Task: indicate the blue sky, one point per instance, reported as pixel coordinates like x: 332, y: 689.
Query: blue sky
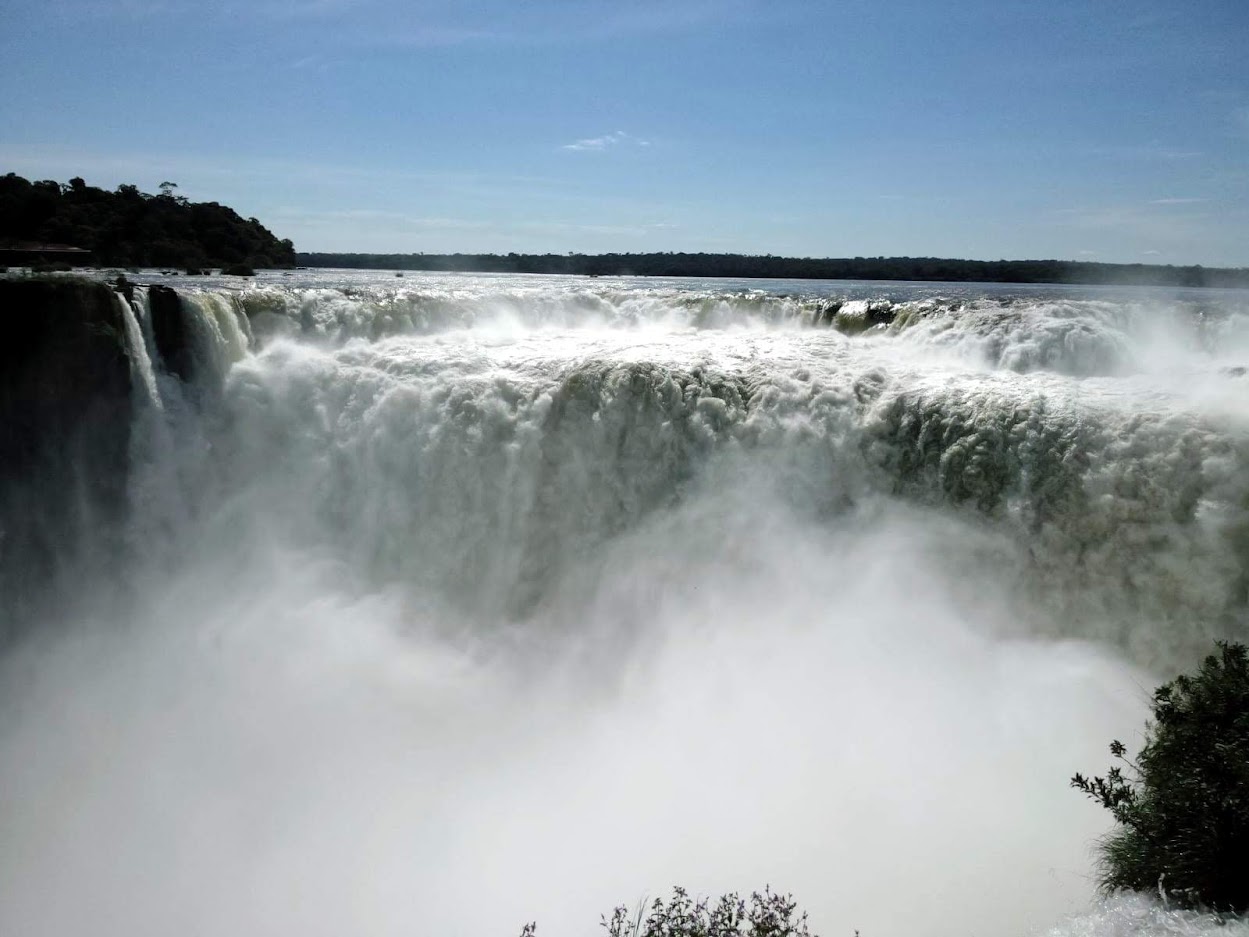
x: 1096, y: 129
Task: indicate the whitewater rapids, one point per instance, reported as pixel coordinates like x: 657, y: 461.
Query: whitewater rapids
x: 454, y: 602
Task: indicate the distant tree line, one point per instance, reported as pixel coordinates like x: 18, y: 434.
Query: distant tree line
x: 797, y: 268
x: 128, y: 228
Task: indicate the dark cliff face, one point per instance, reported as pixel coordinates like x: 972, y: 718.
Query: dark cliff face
x: 65, y: 411
x: 169, y: 328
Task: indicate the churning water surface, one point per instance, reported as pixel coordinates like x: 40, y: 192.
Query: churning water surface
x: 454, y: 602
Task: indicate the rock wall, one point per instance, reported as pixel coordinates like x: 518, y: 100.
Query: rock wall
x: 65, y: 409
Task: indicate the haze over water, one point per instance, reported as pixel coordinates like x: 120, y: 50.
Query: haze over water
x: 454, y: 602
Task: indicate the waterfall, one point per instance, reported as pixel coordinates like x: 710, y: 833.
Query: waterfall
x: 473, y: 600
x: 138, y: 350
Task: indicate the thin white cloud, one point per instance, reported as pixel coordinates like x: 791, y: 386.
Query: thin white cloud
x: 107, y: 168
x: 1240, y: 121
x: 123, y: 9
x: 1151, y: 151
x: 393, y: 220
x: 572, y: 227
x: 1152, y: 224
x: 553, y: 23
x: 467, y: 22
x: 1177, y: 201
x: 432, y: 36
x: 232, y: 10
x: 316, y: 63
x: 1151, y: 253
x: 605, y: 142
x: 284, y: 9
x: 666, y: 15
x: 312, y: 7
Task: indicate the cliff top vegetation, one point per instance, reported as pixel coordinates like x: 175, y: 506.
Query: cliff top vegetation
x: 126, y: 227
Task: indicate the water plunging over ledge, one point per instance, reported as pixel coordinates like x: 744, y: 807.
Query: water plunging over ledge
x: 442, y: 604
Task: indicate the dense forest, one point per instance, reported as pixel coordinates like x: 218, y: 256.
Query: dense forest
x: 131, y: 228
x: 850, y: 268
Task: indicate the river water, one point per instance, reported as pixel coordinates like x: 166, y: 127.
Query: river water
x: 451, y: 602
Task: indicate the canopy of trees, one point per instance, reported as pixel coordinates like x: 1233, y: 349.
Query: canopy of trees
x: 132, y: 228
x: 739, y: 265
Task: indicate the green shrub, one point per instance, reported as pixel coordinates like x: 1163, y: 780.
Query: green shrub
x: 1183, y: 806
x: 766, y: 915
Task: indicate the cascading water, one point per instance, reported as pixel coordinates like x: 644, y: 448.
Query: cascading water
x: 143, y: 375
x: 487, y: 599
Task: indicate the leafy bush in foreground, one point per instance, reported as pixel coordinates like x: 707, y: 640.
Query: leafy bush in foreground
x: 766, y: 915
x: 1183, y: 808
